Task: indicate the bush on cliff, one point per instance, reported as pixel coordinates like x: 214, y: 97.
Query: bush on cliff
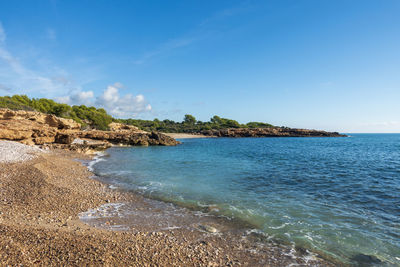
x: 87, y: 116
x: 99, y: 119
x: 15, y: 102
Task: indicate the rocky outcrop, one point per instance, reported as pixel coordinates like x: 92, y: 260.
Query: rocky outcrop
x: 35, y: 128
x: 115, y: 126
x: 269, y: 132
x: 41, y: 118
x: 124, y: 137
x: 83, y: 146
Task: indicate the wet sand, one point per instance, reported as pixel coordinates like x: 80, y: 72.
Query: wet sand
x: 41, y: 201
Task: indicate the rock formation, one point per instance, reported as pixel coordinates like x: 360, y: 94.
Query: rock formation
x: 35, y: 128
x: 269, y: 132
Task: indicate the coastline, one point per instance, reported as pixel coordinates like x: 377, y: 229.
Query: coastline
x: 42, y: 198
x: 186, y: 135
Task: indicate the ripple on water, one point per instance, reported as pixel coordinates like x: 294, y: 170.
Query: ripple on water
x: 337, y: 196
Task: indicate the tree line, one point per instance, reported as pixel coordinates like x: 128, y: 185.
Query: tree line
x: 191, y: 125
x: 98, y: 118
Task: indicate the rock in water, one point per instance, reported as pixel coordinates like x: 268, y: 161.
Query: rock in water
x: 208, y: 228
x: 366, y: 260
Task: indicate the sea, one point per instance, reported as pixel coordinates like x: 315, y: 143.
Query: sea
x: 337, y: 197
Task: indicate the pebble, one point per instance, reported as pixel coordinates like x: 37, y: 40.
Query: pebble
x: 208, y: 228
x: 11, y: 152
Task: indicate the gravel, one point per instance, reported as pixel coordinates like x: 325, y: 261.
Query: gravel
x: 40, y: 203
x: 16, y: 152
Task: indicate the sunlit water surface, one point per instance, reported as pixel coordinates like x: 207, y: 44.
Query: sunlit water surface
x: 336, y: 196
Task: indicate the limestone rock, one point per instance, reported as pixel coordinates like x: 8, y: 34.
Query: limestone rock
x: 48, y: 130
x: 41, y: 118
x: 115, y: 126
x: 43, y: 140
x: 130, y: 138
x: 64, y: 138
x: 13, y: 134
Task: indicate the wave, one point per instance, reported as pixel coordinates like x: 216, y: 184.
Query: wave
x: 96, y: 159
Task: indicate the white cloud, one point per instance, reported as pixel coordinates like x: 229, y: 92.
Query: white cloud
x: 63, y: 99
x: 110, y: 95
x: 77, y: 98
x: 53, y: 82
x: 125, y: 106
x: 83, y: 96
x: 120, y: 106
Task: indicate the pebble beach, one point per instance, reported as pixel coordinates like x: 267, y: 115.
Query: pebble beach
x: 42, y: 195
x: 15, y: 152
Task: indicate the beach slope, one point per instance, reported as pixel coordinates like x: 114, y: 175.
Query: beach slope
x: 40, y: 199
x: 42, y: 194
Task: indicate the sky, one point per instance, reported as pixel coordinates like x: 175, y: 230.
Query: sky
x: 330, y: 65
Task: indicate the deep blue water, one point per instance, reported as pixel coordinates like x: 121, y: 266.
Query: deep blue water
x: 337, y: 196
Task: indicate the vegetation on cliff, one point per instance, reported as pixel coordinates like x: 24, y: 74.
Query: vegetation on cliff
x: 99, y: 119
x: 88, y: 116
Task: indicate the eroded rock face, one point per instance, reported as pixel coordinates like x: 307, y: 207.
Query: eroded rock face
x: 269, y: 132
x: 130, y: 138
x: 35, y: 128
x: 41, y: 118
x: 114, y: 126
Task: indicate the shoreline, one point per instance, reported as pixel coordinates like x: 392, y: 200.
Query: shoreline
x: 186, y: 135
x: 42, y: 199
x: 235, y: 230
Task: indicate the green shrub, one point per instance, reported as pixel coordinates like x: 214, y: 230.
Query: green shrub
x: 91, y: 117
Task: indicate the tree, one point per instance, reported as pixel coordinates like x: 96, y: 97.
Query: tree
x: 254, y: 124
x: 189, y: 119
x: 216, y: 120
x: 230, y: 123
x: 99, y: 119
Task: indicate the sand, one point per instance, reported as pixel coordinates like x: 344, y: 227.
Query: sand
x: 42, y: 196
x: 186, y: 136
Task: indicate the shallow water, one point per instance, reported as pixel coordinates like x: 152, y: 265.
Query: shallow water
x: 339, y: 197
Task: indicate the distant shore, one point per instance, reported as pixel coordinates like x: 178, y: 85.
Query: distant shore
x: 256, y: 132
x: 186, y: 135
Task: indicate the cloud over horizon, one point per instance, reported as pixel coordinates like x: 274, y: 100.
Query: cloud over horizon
x: 125, y: 106
x: 77, y: 98
x: 121, y: 106
x: 17, y: 78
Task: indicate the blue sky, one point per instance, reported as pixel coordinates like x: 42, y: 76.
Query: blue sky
x: 332, y: 65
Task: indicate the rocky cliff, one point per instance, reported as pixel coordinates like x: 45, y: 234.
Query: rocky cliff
x: 269, y: 132
x: 35, y: 128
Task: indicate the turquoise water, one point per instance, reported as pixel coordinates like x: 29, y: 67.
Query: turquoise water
x: 337, y: 196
